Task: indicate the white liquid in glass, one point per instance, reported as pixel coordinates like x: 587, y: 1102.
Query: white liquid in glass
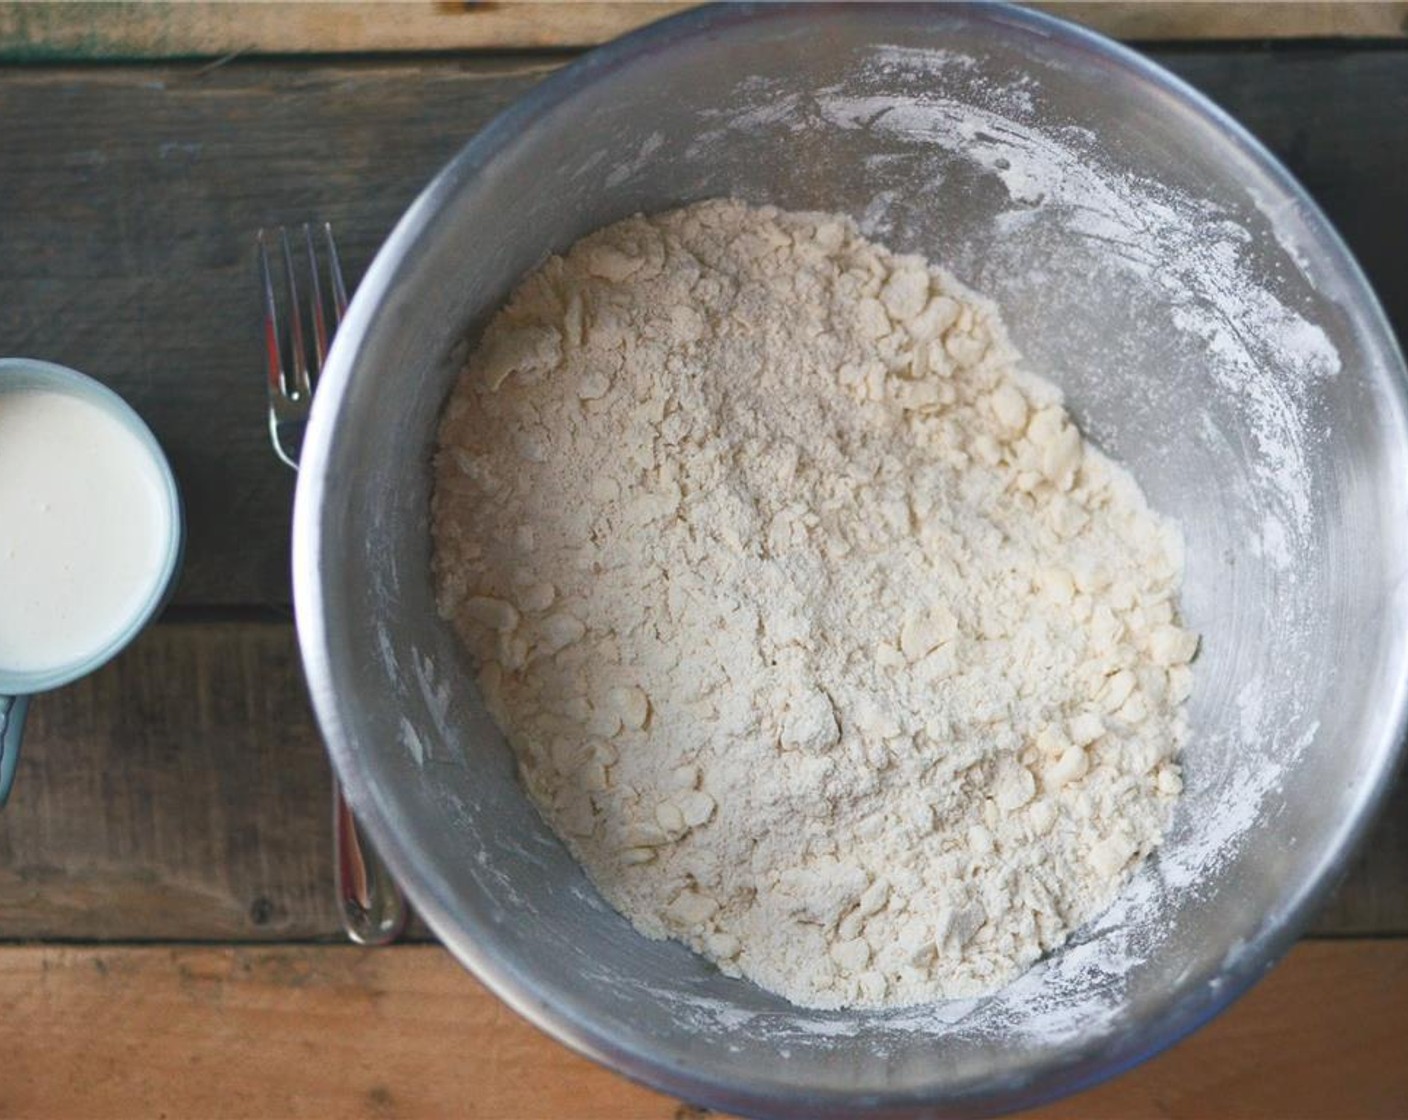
x: 84, y: 529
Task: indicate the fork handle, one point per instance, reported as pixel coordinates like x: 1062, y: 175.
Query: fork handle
x: 371, y: 905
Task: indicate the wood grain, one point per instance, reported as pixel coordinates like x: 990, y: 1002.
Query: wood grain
x: 298, y: 1031
x: 181, y: 794
x: 1201, y: 20
x: 32, y: 32
x: 141, y: 191
x: 163, y: 30
x: 141, y: 188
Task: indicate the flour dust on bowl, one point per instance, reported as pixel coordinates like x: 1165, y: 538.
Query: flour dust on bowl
x: 1208, y: 331
x: 821, y: 637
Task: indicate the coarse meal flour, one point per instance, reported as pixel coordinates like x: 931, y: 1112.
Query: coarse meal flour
x: 821, y: 636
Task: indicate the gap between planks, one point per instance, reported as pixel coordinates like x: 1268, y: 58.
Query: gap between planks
x: 313, y: 1032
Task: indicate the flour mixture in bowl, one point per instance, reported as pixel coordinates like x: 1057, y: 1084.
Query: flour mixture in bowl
x: 821, y: 636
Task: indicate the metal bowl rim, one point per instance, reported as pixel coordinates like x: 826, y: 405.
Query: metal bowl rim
x: 1064, y: 1068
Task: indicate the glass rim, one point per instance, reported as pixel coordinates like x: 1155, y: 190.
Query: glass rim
x: 32, y: 373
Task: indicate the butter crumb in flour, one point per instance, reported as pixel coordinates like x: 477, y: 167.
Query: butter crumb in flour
x: 821, y: 636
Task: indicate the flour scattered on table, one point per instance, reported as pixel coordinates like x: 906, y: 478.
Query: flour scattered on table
x: 822, y: 637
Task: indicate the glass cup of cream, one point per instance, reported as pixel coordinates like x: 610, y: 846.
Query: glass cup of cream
x: 90, y: 534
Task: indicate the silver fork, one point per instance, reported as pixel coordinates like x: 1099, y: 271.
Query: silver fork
x: 371, y: 905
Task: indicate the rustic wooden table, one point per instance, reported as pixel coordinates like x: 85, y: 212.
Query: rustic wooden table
x: 169, y: 939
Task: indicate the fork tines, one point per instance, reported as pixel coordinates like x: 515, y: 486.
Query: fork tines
x: 291, y: 320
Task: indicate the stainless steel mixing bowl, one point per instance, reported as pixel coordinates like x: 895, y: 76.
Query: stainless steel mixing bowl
x: 1209, y: 329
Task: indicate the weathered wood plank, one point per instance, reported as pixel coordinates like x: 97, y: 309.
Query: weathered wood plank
x: 129, y: 197
x: 181, y: 794
x: 286, y: 1032
x: 300, y: 1031
x: 1151, y: 22
x: 49, y: 31
x: 85, y: 30
x: 129, y: 200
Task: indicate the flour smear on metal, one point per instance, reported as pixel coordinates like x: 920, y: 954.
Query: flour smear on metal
x: 822, y: 637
